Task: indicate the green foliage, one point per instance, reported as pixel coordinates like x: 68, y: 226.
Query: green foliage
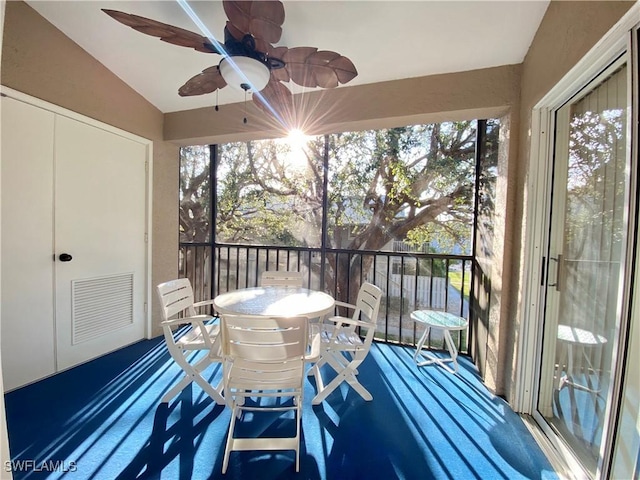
x: 413, y: 182
x: 596, y: 182
x: 195, y: 194
x: 265, y: 194
x: 384, y: 184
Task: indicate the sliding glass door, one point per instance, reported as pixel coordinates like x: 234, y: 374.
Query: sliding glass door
x: 585, y: 262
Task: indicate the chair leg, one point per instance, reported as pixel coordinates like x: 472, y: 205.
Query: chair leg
x: 325, y: 390
x: 214, y: 393
x: 235, y: 413
x: 247, y: 444
x: 177, y: 388
x: 192, y: 373
x: 345, y: 375
x: 336, y: 361
x: 357, y: 386
x: 318, y: 365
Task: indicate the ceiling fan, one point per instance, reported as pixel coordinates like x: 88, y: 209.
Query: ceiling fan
x: 250, y: 60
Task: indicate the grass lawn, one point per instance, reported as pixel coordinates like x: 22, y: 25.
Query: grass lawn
x: 455, y: 280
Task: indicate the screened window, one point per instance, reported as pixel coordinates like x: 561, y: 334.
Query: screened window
x: 401, y: 189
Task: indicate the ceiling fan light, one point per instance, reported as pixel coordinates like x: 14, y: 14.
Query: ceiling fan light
x: 244, y: 73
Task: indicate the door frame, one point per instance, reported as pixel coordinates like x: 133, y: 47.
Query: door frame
x: 538, y: 191
x: 36, y: 102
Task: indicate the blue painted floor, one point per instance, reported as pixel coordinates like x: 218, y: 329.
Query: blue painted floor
x: 103, y: 420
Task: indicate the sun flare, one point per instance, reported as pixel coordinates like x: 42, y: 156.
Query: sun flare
x: 297, y: 140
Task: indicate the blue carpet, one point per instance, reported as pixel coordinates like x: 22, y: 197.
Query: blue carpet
x: 103, y: 420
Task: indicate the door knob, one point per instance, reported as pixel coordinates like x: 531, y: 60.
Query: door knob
x: 65, y: 257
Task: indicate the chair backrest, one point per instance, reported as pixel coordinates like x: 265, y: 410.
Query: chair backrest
x: 281, y: 278
x: 176, y: 296
x: 367, y: 308
x: 368, y: 303
x: 266, y: 353
x: 258, y: 338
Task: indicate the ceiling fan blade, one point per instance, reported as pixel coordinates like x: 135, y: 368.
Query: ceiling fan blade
x: 262, y: 19
x: 208, y: 81
x: 166, y: 33
x: 276, y: 97
x: 281, y: 74
x: 310, y: 67
x: 234, y: 31
x: 344, y: 68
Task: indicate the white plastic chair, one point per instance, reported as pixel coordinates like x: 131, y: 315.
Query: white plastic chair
x: 264, y: 361
x: 281, y: 278
x: 178, y: 308
x: 343, y: 348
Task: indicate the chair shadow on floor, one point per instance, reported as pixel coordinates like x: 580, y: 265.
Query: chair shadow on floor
x: 180, y: 440
x: 424, y: 423
x: 434, y: 425
x: 256, y: 464
x: 358, y: 442
x: 181, y: 437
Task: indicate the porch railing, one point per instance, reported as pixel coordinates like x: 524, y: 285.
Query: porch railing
x: 410, y: 280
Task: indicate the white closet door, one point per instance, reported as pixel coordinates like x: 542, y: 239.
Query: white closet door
x: 100, y: 219
x: 27, y: 243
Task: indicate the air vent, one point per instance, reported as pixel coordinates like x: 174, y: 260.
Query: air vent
x: 101, y: 305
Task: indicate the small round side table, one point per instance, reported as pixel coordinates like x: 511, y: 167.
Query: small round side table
x: 445, y: 322
x: 582, y: 339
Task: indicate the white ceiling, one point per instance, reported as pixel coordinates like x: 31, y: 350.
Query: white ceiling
x: 386, y: 40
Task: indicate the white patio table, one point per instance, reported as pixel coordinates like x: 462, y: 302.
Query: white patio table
x: 276, y: 301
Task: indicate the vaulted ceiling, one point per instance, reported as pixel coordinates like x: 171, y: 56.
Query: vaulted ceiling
x: 385, y: 40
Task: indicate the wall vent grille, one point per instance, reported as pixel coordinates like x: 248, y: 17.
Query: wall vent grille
x: 101, y: 305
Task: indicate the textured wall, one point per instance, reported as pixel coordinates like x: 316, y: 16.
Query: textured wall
x: 474, y: 94
x: 492, y: 255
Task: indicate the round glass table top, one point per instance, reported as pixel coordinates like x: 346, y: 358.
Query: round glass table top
x: 276, y: 301
x: 439, y: 319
